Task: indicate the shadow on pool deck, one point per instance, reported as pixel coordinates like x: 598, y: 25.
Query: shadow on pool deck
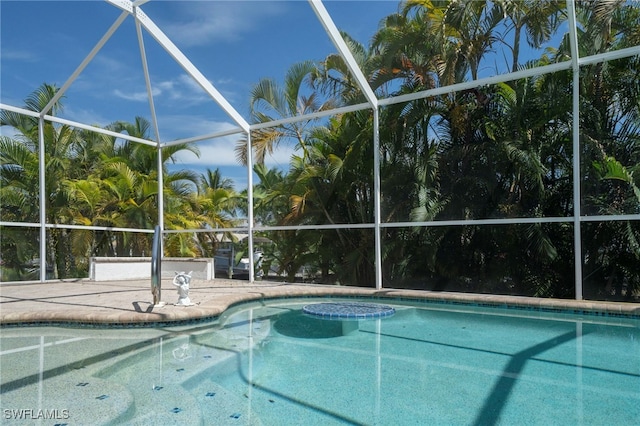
x: 130, y: 302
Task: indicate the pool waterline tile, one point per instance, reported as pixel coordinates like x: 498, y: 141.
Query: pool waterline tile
x: 125, y: 304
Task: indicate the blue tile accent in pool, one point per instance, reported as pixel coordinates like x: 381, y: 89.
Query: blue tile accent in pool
x: 348, y: 310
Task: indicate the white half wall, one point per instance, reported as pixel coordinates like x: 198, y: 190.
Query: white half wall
x: 128, y: 268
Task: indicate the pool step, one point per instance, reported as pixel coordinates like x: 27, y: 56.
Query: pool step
x: 71, y: 399
x: 171, y: 404
x: 163, y: 404
x: 222, y: 407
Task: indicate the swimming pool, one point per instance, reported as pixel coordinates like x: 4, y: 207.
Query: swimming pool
x: 271, y: 364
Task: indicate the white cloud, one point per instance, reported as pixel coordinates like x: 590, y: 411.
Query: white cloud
x: 17, y: 55
x: 204, y: 22
x: 85, y: 116
x: 180, y: 126
x: 109, y: 78
x: 165, y: 85
x: 136, y: 96
x: 185, y: 89
x: 187, y: 81
x: 182, y: 89
x: 221, y: 152
x: 108, y: 65
x: 213, y: 152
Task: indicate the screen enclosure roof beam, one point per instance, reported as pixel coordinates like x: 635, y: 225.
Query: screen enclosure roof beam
x: 181, y: 59
x: 343, y: 49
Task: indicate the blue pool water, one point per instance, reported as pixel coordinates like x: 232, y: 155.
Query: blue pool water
x: 275, y: 365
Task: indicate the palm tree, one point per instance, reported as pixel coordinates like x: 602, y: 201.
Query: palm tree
x: 20, y: 173
x: 270, y: 102
x: 334, y: 79
x: 131, y: 177
x: 538, y: 19
x: 217, y: 204
x: 472, y: 154
x: 609, y: 133
x: 466, y: 31
x: 213, y: 179
x: 271, y: 195
x: 412, y: 49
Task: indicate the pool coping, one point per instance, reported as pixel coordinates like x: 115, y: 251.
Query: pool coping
x: 128, y: 303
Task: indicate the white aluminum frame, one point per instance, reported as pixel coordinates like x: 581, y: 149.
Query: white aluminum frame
x: 133, y: 8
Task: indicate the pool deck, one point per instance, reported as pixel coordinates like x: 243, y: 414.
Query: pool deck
x: 130, y: 302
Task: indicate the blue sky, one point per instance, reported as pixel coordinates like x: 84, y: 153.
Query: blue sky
x: 233, y: 43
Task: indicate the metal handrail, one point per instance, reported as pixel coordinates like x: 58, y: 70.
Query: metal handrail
x: 156, y: 266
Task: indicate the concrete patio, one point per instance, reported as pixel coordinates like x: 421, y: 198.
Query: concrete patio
x: 130, y: 302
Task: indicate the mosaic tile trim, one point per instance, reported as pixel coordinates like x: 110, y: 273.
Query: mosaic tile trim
x: 348, y: 310
x: 489, y: 304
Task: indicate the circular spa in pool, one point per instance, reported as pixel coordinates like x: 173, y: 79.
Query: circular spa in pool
x: 348, y: 310
x: 272, y: 363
